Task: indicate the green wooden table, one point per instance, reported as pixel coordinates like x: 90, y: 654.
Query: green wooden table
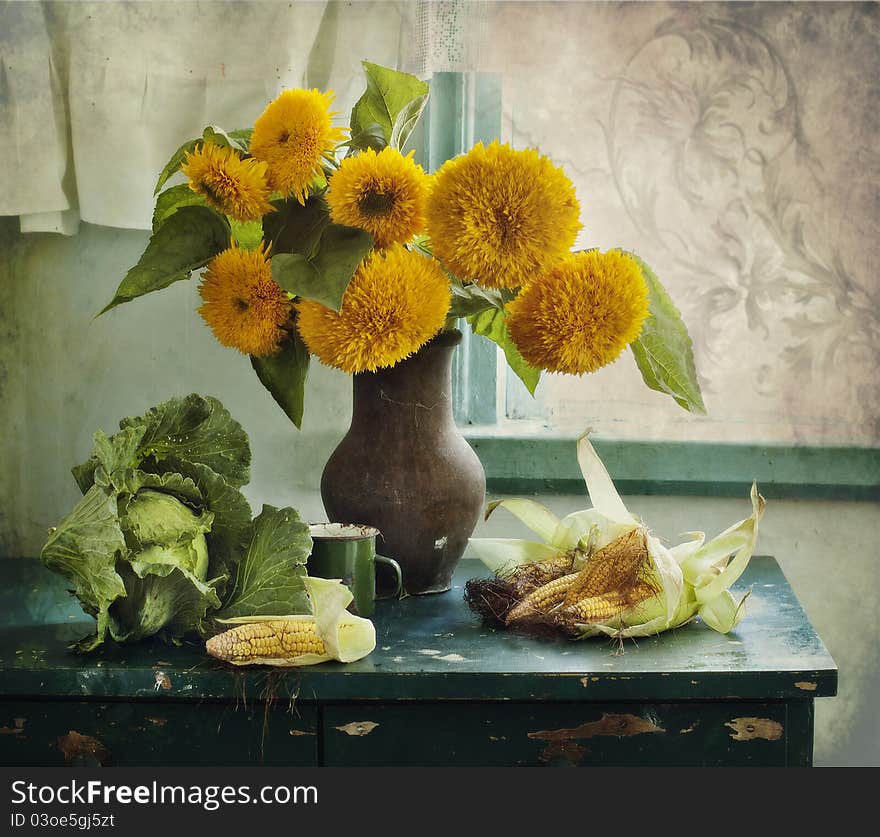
x: 438, y: 689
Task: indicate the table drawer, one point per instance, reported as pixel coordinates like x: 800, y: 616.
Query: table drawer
x: 565, y: 734
x: 169, y: 733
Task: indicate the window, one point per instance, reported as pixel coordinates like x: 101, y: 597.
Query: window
x: 721, y: 149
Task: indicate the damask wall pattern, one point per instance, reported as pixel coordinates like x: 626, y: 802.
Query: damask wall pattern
x: 736, y: 147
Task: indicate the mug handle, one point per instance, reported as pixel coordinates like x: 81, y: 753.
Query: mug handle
x: 390, y: 562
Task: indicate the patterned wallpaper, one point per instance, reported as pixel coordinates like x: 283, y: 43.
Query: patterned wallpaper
x: 735, y: 147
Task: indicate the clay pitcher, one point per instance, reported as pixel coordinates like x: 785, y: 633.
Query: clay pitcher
x: 405, y: 468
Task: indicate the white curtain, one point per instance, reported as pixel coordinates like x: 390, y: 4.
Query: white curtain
x: 95, y: 97
x: 33, y: 123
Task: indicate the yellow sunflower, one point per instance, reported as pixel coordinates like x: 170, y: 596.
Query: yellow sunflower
x: 243, y: 305
x: 501, y: 217
x: 382, y: 193
x: 294, y: 135
x: 581, y: 314
x: 233, y: 186
x: 396, y: 302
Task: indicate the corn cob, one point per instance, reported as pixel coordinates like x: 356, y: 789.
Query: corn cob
x: 620, y: 565
x: 528, y: 577
x: 278, y: 639
x: 543, y: 599
x: 590, y: 609
x: 605, y: 606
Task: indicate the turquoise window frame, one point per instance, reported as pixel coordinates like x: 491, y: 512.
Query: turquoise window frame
x: 465, y: 108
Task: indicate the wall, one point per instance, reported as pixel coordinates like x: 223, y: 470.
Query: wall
x: 63, y: 374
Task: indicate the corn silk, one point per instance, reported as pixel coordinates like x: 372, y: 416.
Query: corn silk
x: 687, y: 580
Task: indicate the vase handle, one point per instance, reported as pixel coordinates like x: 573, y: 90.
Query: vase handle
x: 395, y: 567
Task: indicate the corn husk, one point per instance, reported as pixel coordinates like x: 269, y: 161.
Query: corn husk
x: 687, y: 580
x: 346, y: 637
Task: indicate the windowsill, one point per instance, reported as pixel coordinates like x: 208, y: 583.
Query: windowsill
x: 530, y: 464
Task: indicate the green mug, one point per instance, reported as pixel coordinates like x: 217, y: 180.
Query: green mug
x: 348, y: 551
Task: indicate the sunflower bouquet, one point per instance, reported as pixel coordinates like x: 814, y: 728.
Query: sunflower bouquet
x: 329, y: 241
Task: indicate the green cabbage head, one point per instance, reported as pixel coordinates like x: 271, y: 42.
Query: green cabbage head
x: 166, y: 570
x: 153, y: 543
x: 168, y: 531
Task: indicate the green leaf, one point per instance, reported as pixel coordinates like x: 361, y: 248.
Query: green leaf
x: 83, y: 547
x: 493, y: 325
x: 216, y: 135
x: 422, y: 244
x: 231, y: 530
x: 131, y: 481
x: 233, y: 139
x: 269, y: 581
x: 341, y: 250
x: 169, y: 438
x: 294, y: 228
x: 370, y: 136
x: 157, y: 517
x: 160, y: 596
x: 284, y: 374
x: 114, y: 453
x: 388, y: 93
x: 177, y: 158
x: 241, y: 138
x: 472, y: 299
x: 325, y: 277
x: 406, y: 121
x: 173, y: 199
x: 664, y: 352
x: 296, y: 275
x: 247, y: 234
x: 188, y: 240
x: 193, y: 429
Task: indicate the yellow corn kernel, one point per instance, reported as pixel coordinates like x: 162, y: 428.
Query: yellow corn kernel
x: 542, y: 599
x: 620, y: 565
x: 599, y: 608
x: 591, y: 609
x: 277, y: 639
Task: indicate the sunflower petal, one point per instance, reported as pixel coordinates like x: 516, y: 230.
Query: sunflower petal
x: 396, y: 302
x: 242, y: 304
x: 579, y: 315
x: 384, y: 194
x: 292, y: 137
x: 499, y: 216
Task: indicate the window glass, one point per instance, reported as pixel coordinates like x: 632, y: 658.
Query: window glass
x: 734, y: 147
